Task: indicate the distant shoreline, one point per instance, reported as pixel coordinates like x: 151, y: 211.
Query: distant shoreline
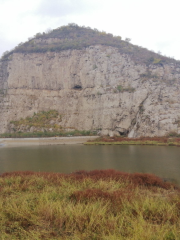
x: 17, y: 142
x: 89, y: 140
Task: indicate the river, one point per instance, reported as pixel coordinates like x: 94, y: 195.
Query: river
x: 160, y: 160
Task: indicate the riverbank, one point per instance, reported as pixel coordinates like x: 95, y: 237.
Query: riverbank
x: 90, y: 140
x: 15, y: 142
x: 88, y: 205
x: 157, y: 141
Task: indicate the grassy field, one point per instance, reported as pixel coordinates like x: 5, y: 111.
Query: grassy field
x: 88, y: 205
x: 158, y: 141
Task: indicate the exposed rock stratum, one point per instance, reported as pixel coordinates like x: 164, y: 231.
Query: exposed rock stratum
x: 93, y: 88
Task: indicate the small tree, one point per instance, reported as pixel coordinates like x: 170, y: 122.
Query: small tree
x: 37, y: 35
x: 5, y: 53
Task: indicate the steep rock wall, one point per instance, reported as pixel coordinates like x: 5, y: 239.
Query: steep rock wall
x: 96, y: 88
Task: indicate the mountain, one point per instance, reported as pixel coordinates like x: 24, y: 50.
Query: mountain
x: 93, y: 81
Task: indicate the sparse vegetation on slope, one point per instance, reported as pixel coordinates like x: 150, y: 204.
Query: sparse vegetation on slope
x: 44, y: 119
x: 42, y: 124
x: 88, y: 205
x: 77, y: 37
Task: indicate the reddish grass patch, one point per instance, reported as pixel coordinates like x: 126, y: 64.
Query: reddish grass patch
x: 101, y: 175
x: 135, y: 179
x: 142, y: 139
x: 116, y: 197
x: 149, y: 180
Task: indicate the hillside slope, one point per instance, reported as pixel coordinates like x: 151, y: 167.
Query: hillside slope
x: 112, y: 87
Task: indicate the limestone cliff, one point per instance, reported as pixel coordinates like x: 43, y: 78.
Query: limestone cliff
x: 93, y: 88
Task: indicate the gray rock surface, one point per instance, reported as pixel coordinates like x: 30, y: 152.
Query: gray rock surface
x: 96, y: 88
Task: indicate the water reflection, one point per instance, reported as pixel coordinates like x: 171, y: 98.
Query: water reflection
x: 162, y: 161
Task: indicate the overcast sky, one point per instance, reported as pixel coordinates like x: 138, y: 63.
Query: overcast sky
x: 152, y: 24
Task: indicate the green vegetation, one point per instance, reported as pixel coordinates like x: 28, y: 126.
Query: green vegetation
x: 63, y: 133
x: 41, y: 119
x: 174, y: 134
x: 157, y: 61
x: 141, y: 108
x: 154, y: 60
x: 3, y: 92
x: 148, y: 75
x: 119, y: 88
x: 73, y: 36
x: 125, y: 89
x: 44, y: 124
x: 178, y: 120
x: 158, y: 141
x: 88, y: 205
x: 94, y: 67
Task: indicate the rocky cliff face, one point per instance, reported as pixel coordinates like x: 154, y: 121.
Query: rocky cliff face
x: 96, y: 88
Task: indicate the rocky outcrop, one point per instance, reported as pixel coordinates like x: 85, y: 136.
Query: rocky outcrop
x: 95, y: 88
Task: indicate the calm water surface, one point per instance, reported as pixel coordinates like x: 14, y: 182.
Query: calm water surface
x: 162, y: 161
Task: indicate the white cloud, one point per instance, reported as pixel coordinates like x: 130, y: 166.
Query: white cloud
x: 151, y: 24
x: 60, y: 8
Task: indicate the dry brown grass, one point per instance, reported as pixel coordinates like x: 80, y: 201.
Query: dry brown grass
x: 166, y: 141
x: 88, y: 205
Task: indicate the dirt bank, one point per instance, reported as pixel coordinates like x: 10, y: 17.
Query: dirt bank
x: 15, y: 142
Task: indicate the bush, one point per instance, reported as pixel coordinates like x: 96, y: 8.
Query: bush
x: 119, y: 88
x: 127, y: 89
x: 173, y: 134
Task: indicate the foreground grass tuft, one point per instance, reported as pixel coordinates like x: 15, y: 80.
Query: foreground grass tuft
x: 88, y: 205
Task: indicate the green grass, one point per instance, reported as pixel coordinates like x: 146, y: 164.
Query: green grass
x: 125, y: 89
x: 88, y: 205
